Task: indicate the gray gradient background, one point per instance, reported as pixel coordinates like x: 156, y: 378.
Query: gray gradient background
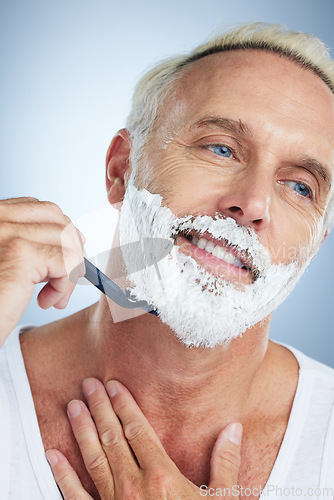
x: 67, y: 73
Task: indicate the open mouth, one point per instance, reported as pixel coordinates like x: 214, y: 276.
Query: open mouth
x: 221, y: 249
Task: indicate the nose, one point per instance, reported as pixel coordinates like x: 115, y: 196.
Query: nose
x: 248, y: 202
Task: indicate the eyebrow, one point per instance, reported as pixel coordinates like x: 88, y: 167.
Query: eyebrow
x: 240, y: 128
x: 234, y: 126
x: 316, y: 166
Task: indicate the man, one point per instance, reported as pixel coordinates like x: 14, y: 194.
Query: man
x: 230, y: 147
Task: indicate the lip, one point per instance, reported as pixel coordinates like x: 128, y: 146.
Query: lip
x: 218, y: 267
x: 245, y: 259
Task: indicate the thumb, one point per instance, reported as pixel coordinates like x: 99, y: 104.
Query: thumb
x: 225, y: 458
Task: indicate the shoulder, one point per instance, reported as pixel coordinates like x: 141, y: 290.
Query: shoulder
x: 314, y: 367
x: 309, y: 364
x: 313, y: 398
x: 315, y: 391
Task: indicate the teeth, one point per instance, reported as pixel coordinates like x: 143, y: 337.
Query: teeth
x: 202, y: 243
x: 209, y: 246
x: 221, y: 253
x: 217, y: 251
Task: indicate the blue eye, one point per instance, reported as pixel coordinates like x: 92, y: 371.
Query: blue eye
x: 300, y: 188
x: 221, y: 150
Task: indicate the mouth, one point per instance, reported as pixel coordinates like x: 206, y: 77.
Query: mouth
x: 218, y: 256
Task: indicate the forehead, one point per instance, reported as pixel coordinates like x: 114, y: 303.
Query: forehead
x: 255, y: 85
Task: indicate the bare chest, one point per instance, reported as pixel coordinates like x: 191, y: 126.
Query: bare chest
x: 57, y: 434
x: 258, y: 457
x: 259, y: 452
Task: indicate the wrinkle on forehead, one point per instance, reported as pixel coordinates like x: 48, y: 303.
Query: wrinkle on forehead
x: 291, y: 105
x: 293, y: 118
x: 293, y: 99
x: 266, y: 75
x: 297, y: 111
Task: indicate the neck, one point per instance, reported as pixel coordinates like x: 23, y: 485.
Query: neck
x: 171, y: 381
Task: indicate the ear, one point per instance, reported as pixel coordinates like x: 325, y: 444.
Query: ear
x: 117, y: 163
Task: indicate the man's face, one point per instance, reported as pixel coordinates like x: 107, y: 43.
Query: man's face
x: 265, y: 173
x: 242, y: 155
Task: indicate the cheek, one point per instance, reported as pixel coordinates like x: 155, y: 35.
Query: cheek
x: 181, y: 185
x: 314, y: 232
x: 293, y: 236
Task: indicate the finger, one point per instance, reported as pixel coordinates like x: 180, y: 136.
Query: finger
x: 23, y: 265
x: 66, y: 235
x: 56, y: 293
x: 225, y: 459
x: 23, y: 199
x: 66, y: 477
x: 93, y: 455
x: 31, y: 210
x: 138, y: 431
x: 116, y: 447
x: 62, y: 303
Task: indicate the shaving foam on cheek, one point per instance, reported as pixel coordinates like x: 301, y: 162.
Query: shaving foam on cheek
x: 201, y: 310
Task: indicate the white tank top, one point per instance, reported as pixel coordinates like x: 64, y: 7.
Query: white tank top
x: 304, y: 466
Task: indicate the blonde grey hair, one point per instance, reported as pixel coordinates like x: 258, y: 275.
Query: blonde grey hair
x: 154, y: 86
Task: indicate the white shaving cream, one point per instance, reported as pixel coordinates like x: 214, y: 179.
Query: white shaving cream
x: 201, y: 309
